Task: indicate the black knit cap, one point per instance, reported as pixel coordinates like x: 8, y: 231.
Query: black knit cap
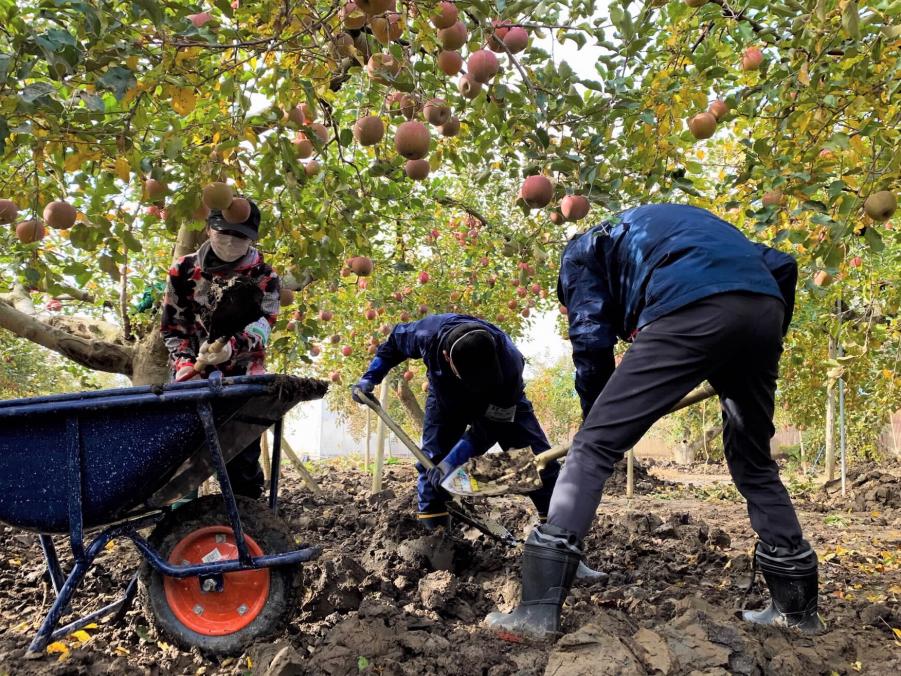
x: 473, y: 352
x: 249, y: 228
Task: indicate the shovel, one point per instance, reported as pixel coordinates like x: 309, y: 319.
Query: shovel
x: 518, y: 470
x: 238, y: 305
x: 456, y: 509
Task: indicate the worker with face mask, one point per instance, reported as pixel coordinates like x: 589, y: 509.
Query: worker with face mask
x: 195, y: 284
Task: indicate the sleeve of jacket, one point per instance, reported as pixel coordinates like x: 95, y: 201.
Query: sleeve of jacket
x: 582, y: 288
x: 784, y: 269
x: 255, y: 336
x: 178, y: 322
x: 407, y: 341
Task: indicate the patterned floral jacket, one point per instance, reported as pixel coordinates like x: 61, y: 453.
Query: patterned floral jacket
x: 189, y: 295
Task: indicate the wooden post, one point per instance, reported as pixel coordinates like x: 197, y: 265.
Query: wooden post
x: 305, y: 475
x: 841, y: 426
x: 264, y: 458
x: 380, y: 440
x: 830, y: 420
x: 367, y: 457
x: 630, y: 473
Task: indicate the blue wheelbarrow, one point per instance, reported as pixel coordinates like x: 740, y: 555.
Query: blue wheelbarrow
x: 218, y: 572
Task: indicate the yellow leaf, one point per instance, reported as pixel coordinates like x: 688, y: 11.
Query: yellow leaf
x: 73, y: 162
x: 123, y: 172
x: 183, y: 100
x: 896, y: 632
x: 57, y: 647
x: 804, y: 76
x: 81, y: 635
x: 122, y: 650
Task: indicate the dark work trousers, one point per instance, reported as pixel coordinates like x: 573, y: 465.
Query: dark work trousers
x: 732, y: 340
x: 245, y: 473
x: 442, y: 430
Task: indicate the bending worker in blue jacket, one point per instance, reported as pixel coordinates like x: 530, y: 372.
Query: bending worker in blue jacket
x: 476, y: 398
x: 699, y: 302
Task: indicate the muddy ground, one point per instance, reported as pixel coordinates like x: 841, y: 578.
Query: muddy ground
x: 377, y: 602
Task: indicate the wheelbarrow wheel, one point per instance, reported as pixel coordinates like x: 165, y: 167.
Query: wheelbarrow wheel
x: 249, y: 606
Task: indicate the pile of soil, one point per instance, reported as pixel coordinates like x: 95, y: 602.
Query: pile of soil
x: 386, y: 598
x: 645, y: 482
x: 869, y: 487
x: 697, y: 467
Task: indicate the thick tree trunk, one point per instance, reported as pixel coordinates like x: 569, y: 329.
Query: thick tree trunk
x: 99, y: 355
x: 410, y: 403
x: 687, y: 451
x: 187, y: 241
x: 151, y: 359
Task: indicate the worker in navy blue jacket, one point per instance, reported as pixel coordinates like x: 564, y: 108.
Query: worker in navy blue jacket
x: 698, y: 301
x: 476, y: 399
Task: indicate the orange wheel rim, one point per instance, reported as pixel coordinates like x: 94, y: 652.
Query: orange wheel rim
x: 213, y: 613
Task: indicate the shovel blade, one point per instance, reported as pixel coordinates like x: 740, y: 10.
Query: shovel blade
x: 495, y: 474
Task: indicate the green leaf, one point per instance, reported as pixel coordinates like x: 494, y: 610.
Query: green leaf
x: 851, y: 20
x: 108, y: 265
x: 873, y: 239
x: 151, y: 9
x: 131, y: 242
x: 118, y: 80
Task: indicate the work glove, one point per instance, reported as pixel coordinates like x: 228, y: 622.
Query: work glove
x: 211, y: 357
x: 259, y: 332
x: 187, y: 371
x: 366, y: 386
x: 438, y: 473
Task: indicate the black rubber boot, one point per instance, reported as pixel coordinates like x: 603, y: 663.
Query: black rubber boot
x: 584, y: 573
x: 588, y: 575
x: 433, y: 521
x: 791, y: 575
x: 549, y: 561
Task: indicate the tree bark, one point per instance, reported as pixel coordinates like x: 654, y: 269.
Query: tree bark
x: 151, y: 360
x: 187, y: 241
x: 99, y: 355
x: 410, y: 403
x: 687, y: 452
x: 90, y: 329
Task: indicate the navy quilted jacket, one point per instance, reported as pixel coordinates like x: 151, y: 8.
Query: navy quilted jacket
x: 648, y: 262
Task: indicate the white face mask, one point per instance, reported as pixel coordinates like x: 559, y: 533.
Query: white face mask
x: 228, y: 247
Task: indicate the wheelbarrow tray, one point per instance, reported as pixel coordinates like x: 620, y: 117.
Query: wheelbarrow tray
x: 139, y: 448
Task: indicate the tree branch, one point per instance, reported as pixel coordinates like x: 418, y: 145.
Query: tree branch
x: 450, y: 202
x: 94, y: 354
x: 89, y: 329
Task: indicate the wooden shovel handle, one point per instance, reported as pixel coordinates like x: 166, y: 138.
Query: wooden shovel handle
x: 704, y: 392
x: 394, y: 427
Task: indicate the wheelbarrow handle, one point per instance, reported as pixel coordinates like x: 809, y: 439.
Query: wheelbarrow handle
x: 372, y: 403
x: 700, y: 394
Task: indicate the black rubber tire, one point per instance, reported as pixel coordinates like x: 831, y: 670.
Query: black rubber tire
x: 267, y: 530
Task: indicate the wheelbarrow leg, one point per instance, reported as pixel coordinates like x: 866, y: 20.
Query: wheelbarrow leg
x: 205, y: 412
x: 53, y: 568
x: 276, y: 465
x: 45, y: 632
